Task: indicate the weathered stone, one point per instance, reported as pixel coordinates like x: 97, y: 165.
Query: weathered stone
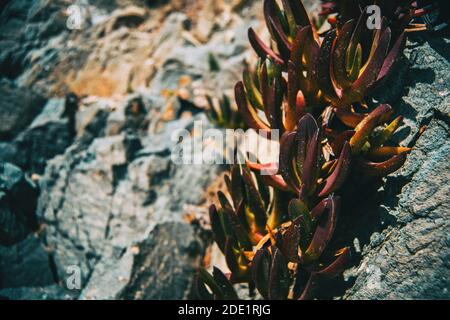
x: 52, y: 292
x: 18, y: 197
x: 25, y: 264
x: 409, y: 259
x: 146, y: 271
x: 18, y: 107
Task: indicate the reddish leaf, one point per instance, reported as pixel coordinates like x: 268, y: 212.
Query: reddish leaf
x: 216, y: 226
x: 298, y: 11
x: 307, y: 135
x: 261, y: 49
x: 339, y: 54
x: 392, y: 57
x: 290, y: 240
x: 230, y: 258
x: 324, y: 230
x: 279, y: 280
x: 255, y: 203
x: 225, y: 285
x: 340, y: 173
x: 322, y: 71
x: 386, y: 152
x: 267, y: 167
x: 248, y: 113
x: 349, y: 118
x: 337, y: 266
x: 370, y: 74
x: 286, y: 156
x: 381, y: 169
x: 278, y: 34
x: 366, y: 126
x: 276, y: 181
x: 261, y: 264
x: 237, y: 190
x: 310, y: 286
x: 338, y: 142
x: 310, y: 166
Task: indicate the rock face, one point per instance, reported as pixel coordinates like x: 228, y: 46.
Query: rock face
x: 18, y: 197
x: 23, y: 259
x: 409, y: 259
x: 114, y: 200
x: 19, y: 106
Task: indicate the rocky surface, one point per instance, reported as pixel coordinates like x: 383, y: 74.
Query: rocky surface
x: 19, y: 106
x: 408, y: 258
x: 113, y: 205
x: 18, y: 198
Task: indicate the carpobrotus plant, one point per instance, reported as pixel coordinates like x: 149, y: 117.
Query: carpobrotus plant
x: 274, y: 230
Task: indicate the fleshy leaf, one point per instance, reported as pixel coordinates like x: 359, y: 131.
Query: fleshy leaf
x: 322, y: 71
x: 286, y: 154
x: 279, y: 281
x: 307, y: 130
x: 392, y: 57
x: 324, y: 230
x: 349, y: 118
x: 339, y: 54
x: 216, y: 226
x: 211, y: 283
x: 255, y: 203
x: 253, y: 94
x: 297, y: 208
x: 225, y: 285
x: 381, y: 169
x: 261, y: 264
x: 248, y: 113
x: 338, y: 142
x: 370, y: 74
x: 387, y: 132
x: 289, y: 241
x: 337, y: 266
x: 339, y: 174
x: 365, y: 127
x: 298, y: 11
x: 386, y: 152
x: 200, y: 289
x: 261, y: 49
x: 309, y: 168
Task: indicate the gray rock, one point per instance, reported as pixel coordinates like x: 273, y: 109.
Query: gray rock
x: 52, y: 292
x: 25, y: 264
x: 160, y: 267
x: 47, y: 136
x: 18, y: 198
x: 105, y: 196
x: 18, y: 107
x: 410, y: 258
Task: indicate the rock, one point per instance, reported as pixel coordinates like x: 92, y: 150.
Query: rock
x: 47, y: 136
x: 105, y: 196
x: 146, y: 271
x: 410, y: 258
x: 52, y: 292
x: 25, y: 264
x: 18, y: 107
x: 50, y: 133
x: 18, y: 198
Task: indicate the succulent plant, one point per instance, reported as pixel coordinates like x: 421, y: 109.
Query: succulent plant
x: 400, y: 13
x: 275, y: 229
